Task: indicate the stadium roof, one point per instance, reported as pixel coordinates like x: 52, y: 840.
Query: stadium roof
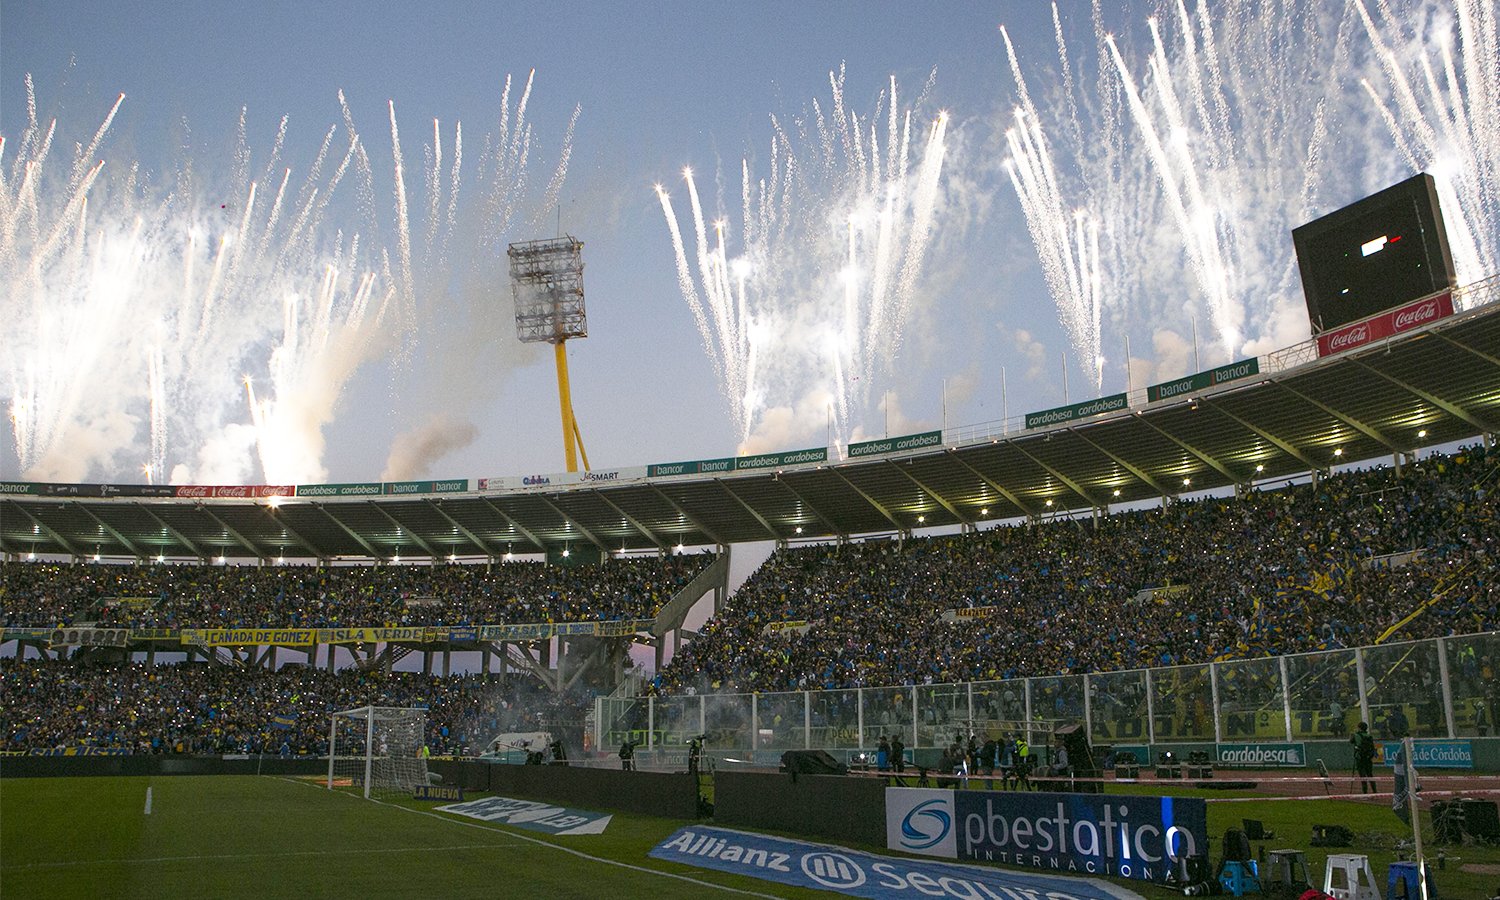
x: 1434, y: 385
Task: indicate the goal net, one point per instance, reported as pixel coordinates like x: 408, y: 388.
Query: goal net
x: 378, y: 750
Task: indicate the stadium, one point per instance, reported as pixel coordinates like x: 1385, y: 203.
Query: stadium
x: 1234, y: 632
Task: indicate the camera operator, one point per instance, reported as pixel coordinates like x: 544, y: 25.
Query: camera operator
x: 695, y: 754
x: 627, y: 755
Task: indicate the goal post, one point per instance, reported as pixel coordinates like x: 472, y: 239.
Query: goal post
x: 378, y: 749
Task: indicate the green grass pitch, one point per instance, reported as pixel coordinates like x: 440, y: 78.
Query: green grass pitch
x: 229, y: 836
x: 266, y: 837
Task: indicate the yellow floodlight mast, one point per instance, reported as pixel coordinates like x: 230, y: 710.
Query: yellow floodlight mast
x: 571, y: 437
x: 546, y: 280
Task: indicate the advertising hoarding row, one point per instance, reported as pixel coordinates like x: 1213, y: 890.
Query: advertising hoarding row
x: 1203, y: 380
x: 1139, y: 837
x: 759, y: 462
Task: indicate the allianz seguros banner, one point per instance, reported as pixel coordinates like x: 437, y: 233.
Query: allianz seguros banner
x: 854, y: 873
x: 1081, y: 834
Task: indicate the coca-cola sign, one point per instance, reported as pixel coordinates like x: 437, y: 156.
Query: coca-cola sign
x: 1349, y: 337
x: 1392, y: 322
x: 236, y: 491
x: 1411, y: 318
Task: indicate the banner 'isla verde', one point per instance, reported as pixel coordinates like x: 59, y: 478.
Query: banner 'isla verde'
x: 892, y: 445
x: 739, y: 463
x: 1201, y: 380
x: 1046, y: 417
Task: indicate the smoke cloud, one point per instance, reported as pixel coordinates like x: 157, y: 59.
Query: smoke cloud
x: 414, y: 452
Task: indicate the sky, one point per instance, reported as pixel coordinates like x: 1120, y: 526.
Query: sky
x: 434, y: 384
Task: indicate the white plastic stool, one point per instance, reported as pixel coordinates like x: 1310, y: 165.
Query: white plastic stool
x: 1359, y: 881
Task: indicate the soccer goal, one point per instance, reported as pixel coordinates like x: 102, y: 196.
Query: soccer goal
x: 378, y: 749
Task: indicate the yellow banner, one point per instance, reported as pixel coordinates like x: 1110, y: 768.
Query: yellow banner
x: 243, y: 637
x: 416, y: 634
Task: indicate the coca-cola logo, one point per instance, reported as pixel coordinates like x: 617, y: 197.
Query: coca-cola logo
x: 1350, y: 338
x: 236, y: 491
x: 1409, y: 318
x: 192, y: 491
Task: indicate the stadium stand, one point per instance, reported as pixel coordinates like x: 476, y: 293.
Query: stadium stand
x: 195, y: 596
x: 1352, y: 559
x: 207, y: 708
x: 1338, y: 563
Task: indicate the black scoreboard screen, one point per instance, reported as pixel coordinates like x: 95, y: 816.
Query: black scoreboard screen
x: 1383, y: 251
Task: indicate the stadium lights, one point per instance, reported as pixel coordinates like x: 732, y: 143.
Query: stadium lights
x: 1338, y: 451
x: 161, y: 558
x: 1259, y: 467
x: 567, y: 552
x: 799, y: 529
x: 921, y: 519
x: 273, y: 502
x: 396, y: 559
x: 1117, y: 492
x: 453, y: 557
x: 222, y: 560
x: 31, y: 555
x: 1422, y: 433
x: 1186, y: 482
x: 1049, y: 502
x: 96, y: 556
x: 984, y: 511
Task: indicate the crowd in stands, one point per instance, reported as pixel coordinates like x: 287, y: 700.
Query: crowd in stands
x: 210, y: 708
x: 1339, y: 563
x: 198, y: 596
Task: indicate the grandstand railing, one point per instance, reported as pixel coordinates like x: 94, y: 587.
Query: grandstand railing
x: 1465, y: 299
x: 1441, y: 688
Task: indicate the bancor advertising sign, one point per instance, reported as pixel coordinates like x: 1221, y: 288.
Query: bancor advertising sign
x: 1079, y: 834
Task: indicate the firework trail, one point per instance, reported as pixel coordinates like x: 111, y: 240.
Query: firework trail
x: 802, y: 308
x: 132, y: 303
x: 1442, y: 107
x: 1201, y: 152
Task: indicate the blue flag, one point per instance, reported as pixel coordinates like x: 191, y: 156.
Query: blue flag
x: 284, y: 721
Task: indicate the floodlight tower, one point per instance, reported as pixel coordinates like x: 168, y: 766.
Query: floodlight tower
x: 546, y: 279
